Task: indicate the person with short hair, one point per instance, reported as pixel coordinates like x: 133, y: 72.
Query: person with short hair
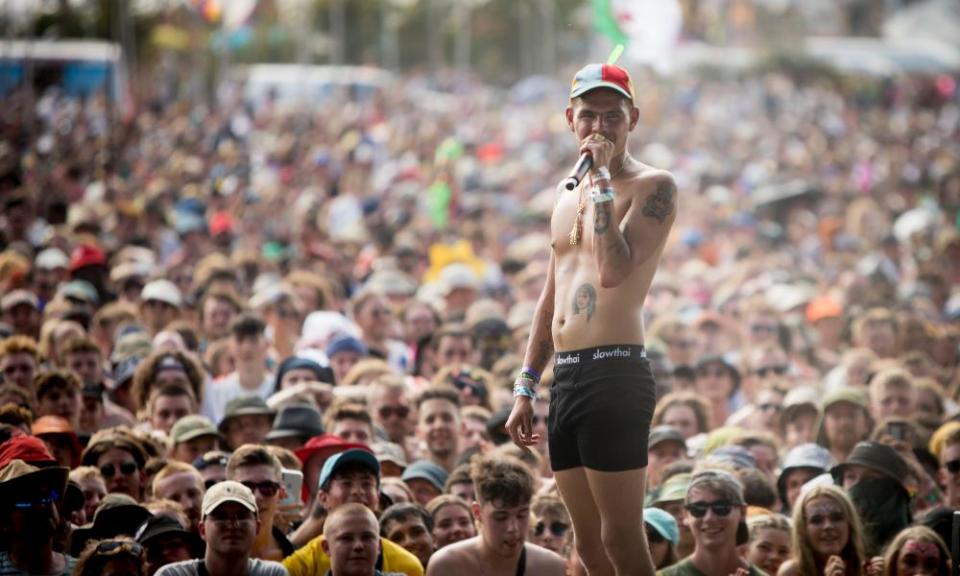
x: 389, y: 403
x: 351, y: 541
x: 91, y: 484
x: 504, y: 489
x: 183, y: 484
x: 352, y: 422
x: 248, y: 346
x: 258, y: 469
x: 892, y: 394
x: 19, y: 360
x: 120, y: 457
x: 438, y: 424
x: 229, y: 525
x: 192, y: 436
x: 410, y: 526
x: 247, y: 420
x: 167, y: 405
x: 58, y: 394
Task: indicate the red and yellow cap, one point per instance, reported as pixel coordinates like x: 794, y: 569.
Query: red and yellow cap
x: 593, y: 76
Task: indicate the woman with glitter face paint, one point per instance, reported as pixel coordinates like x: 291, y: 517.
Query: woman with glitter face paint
x: 917, y: 551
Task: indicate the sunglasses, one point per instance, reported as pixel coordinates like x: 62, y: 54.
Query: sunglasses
x: 699, y: 509
x: 126, y: 469
x: 654, y: 537
x: 953, y: 466
x: 558, y: 529
x: 771, y: 370
x: 268, y: 488
x: 463, y: 382
x: 204, y: 462
x: 387, y: 412
x: 111, y: 547
x: 50, y: 498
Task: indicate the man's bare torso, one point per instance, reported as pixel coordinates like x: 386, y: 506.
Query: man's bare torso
x: 586, y: 314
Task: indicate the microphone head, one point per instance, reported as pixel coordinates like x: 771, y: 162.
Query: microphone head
x: 570, y: 183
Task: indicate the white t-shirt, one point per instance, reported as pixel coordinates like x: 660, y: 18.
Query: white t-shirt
x: 217, y: 393
x: 255, y: 567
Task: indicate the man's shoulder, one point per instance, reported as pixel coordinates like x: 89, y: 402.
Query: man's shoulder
x: 682, y: 568
x: 184, y: 568
x: 541, y: 556
x: 258, y: 567
x: 455, y: 553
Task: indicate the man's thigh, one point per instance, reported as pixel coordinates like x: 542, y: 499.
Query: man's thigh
x: 618, y: 497
x: 578, y: 498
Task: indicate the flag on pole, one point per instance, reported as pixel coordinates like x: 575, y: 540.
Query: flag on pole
x: 605, y: 22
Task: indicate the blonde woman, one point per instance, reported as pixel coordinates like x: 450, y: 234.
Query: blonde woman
x: 917, y: 550
x: 827, y: 536
x: 769, y: 545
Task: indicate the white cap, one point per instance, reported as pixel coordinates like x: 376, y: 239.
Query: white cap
x: 51, y: 259
x: 164, y: 291
x: 228, y: 491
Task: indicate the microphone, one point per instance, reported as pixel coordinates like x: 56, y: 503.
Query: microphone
x: 580, y: 170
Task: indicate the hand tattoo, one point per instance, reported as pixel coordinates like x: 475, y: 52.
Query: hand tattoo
x: 601, y: 218
x: 659, y: 205
x: 585, y: 300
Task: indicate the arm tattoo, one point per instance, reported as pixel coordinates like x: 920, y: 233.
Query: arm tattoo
x: 601, y: 218
x: 585, y: 300
x: 659, y: 205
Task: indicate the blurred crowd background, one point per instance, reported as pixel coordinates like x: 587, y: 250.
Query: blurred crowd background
x: 323, y: 226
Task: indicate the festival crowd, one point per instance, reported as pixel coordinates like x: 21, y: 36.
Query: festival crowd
x: 269, y: 339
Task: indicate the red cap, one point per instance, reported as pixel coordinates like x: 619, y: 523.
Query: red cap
x: 221, y: 223
x: 593, y: 76
x: 324, y: 446
x: 30, y: 449
x: 823, y: 307
x: 86, y: 255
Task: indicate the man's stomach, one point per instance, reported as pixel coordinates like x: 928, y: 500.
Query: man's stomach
x: 587, y: 315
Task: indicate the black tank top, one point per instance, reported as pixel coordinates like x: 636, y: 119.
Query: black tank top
x: 522, y: 563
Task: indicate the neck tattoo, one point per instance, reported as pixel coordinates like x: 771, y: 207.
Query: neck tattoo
x: 577, y: 229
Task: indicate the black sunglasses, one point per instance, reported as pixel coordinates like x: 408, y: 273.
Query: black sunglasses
x: 953, y: 466
x: 201, y: 462
x: 268, y: 488
x: 110, y: 547
x: 699, y: 509
x: 778, y: 370
x: 126, y: 469
x: 556, y: 528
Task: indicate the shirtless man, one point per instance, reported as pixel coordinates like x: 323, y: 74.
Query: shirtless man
x: 607, y: 238
x: 504, y: 488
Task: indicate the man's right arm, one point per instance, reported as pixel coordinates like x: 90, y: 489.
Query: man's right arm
x: 540, y: 342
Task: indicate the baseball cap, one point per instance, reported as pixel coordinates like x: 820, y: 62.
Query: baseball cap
x: 593, y: 76
x: 675, y: 488
x: 228, y: 491
x: 18, y: 298
x: 86, y: 255
x: 661, y: 434
x: 163, y: 291
x: 325, y: 443
x: 352, y: 456
x: 80, y: 290
x: 346, y: 344
x: 822, y: 307
x: 663, y: 522
x: 390, y: 452
x: 190, y: 427
x: 51, y: 259
x: 848, y: 395
x: 426, y: 470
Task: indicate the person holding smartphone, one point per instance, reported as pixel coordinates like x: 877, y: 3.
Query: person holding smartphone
x: 256, y: 468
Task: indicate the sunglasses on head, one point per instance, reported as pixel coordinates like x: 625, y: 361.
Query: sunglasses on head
x: 111, y: 547
x: 126, y: 469
x: 204, y: 462
x: 477, y: 390
x: 387, y: 412
x: 556, y: 528
x: 720, y: 508
x: 268, y: 488
x: 953, y: 466
x: 49, y: 498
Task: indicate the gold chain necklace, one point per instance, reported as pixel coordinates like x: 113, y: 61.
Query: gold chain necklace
x: 577, y: 229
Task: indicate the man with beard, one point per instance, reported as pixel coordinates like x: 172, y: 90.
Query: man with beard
x: 873, y: 476
x: 30, y: 507
x: 438, y: 425
x: 504, y: 488
x: 230, y: 524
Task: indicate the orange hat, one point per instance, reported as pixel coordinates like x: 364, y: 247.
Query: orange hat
x: 50, y: 425
x: 823, y: 307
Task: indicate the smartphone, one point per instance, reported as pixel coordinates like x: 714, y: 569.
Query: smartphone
x: 292, y: 484
x: 897, y: 430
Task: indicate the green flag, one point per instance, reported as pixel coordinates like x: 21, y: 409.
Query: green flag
x: 606, y: 23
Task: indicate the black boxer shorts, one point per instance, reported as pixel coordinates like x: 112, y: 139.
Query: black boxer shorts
x: 601, y: 405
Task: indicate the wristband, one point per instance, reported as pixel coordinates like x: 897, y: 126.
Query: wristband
x: 521, y: 390
x: 603, y: 173
x: 602, y: 195
x: 528, y: 371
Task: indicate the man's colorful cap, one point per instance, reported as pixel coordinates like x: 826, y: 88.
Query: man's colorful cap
x: 593, y: 76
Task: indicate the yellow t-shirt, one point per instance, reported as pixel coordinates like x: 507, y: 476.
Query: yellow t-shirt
x: 312, y: 561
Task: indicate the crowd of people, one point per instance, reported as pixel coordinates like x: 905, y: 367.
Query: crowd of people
x: 268, y: 339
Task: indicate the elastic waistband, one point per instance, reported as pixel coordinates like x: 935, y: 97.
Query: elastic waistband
x: 601, y: 354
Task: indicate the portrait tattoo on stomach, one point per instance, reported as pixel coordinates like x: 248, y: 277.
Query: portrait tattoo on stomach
x: 585, y: 300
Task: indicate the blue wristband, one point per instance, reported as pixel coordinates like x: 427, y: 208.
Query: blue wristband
x: 521, y: 390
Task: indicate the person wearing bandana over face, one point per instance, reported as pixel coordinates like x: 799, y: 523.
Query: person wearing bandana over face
x: 873, y: 476
x: 917, y: 551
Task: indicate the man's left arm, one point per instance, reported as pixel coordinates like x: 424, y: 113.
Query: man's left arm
x: 620, y: 249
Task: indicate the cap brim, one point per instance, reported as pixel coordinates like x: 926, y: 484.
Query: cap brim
x: 197, y: 434
x: 291, y: 433
x: 357, y: 456
x: 589, y: 87
x: 221, y: 502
